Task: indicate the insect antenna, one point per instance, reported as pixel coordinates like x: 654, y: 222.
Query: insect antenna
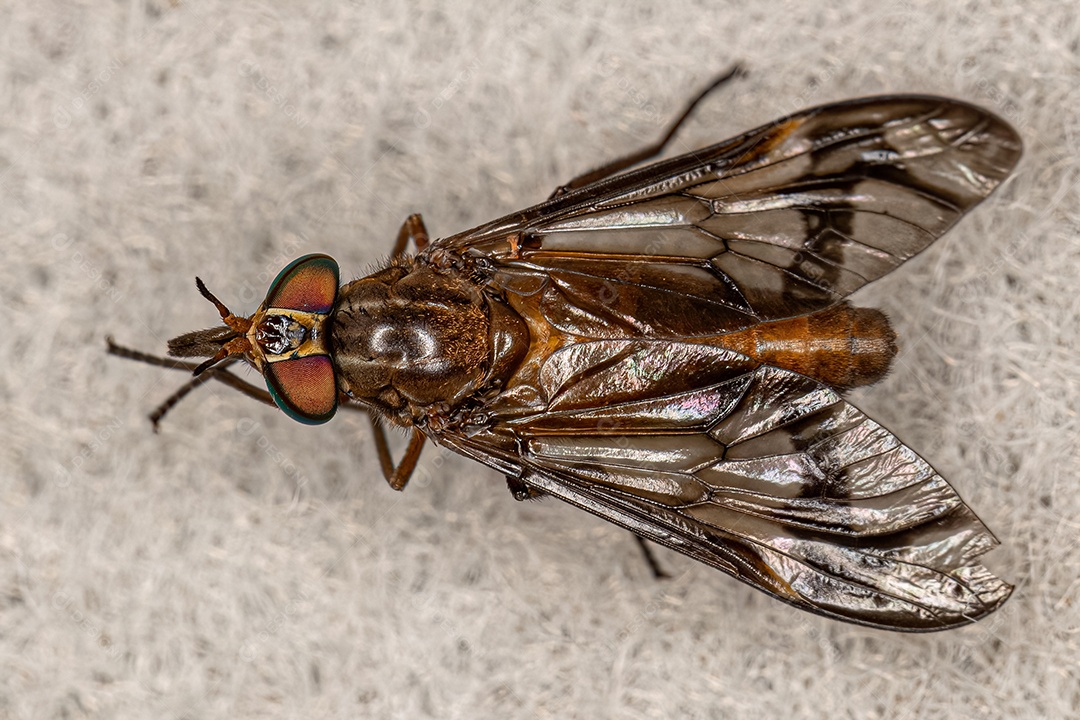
x: 226, y: 314
x: 215, y: 343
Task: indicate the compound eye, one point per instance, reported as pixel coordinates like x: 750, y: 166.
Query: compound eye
x: 304, y: 387
x: 309, y: 284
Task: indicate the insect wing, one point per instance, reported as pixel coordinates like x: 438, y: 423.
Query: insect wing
x: 781, y: 221
x: 776, y: 480
x: 761, y: 472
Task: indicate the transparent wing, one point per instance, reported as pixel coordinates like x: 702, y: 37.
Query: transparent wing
x: 766, y: 475
x: 781, y: 221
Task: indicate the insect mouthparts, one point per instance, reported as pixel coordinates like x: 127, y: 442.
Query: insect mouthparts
x: 201, y: 343
x: 278, y: 334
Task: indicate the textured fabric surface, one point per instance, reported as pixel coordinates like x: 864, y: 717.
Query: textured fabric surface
x: 239, y: 565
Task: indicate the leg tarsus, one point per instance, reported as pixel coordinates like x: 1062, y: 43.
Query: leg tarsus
x: 657, y: 571
x: 656, y: 148
x: 171, y: 401
x: 520, y: 490
x: 219, y: 372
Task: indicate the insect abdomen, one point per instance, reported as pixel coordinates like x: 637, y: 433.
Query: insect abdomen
x: 842, y: 346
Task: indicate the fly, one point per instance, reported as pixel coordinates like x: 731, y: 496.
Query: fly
x: 667, y: 347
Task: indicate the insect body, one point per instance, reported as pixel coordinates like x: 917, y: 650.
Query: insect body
x: 667, y: 347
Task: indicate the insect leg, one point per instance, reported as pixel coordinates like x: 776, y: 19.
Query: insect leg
x: 652, y: 150
x: 215, y: 373
x: 650, y: 559
x: 176, y: 397
x: 413, y: 228
x: 520, y: 490
x: 397, y: 476
x: 523, y: 491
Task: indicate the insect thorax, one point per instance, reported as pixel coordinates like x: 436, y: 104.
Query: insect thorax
x: 411, y: 337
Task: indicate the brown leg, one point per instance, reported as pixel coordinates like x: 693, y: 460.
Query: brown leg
x: 413, y: 228
x: 651, y: 151
x: 218, y: 372
x: 520, y: 490
x: 176, y: 397
x: 398, y: 477
x: 650, y: 559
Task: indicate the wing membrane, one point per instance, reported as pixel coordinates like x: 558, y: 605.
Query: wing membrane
x: 634, y: 414
x: 776, y: 480
x: 781, y: 221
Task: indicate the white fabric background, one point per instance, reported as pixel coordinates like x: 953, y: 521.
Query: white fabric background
x: 239, y: 565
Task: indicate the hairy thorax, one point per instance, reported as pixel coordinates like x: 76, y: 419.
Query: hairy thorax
x: 416, y: 341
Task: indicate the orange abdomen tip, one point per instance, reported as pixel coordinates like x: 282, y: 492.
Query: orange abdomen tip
x: 841, y: 346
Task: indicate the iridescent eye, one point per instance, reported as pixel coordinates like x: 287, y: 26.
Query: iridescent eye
x: 309, y: 284
x: 305, y: 386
